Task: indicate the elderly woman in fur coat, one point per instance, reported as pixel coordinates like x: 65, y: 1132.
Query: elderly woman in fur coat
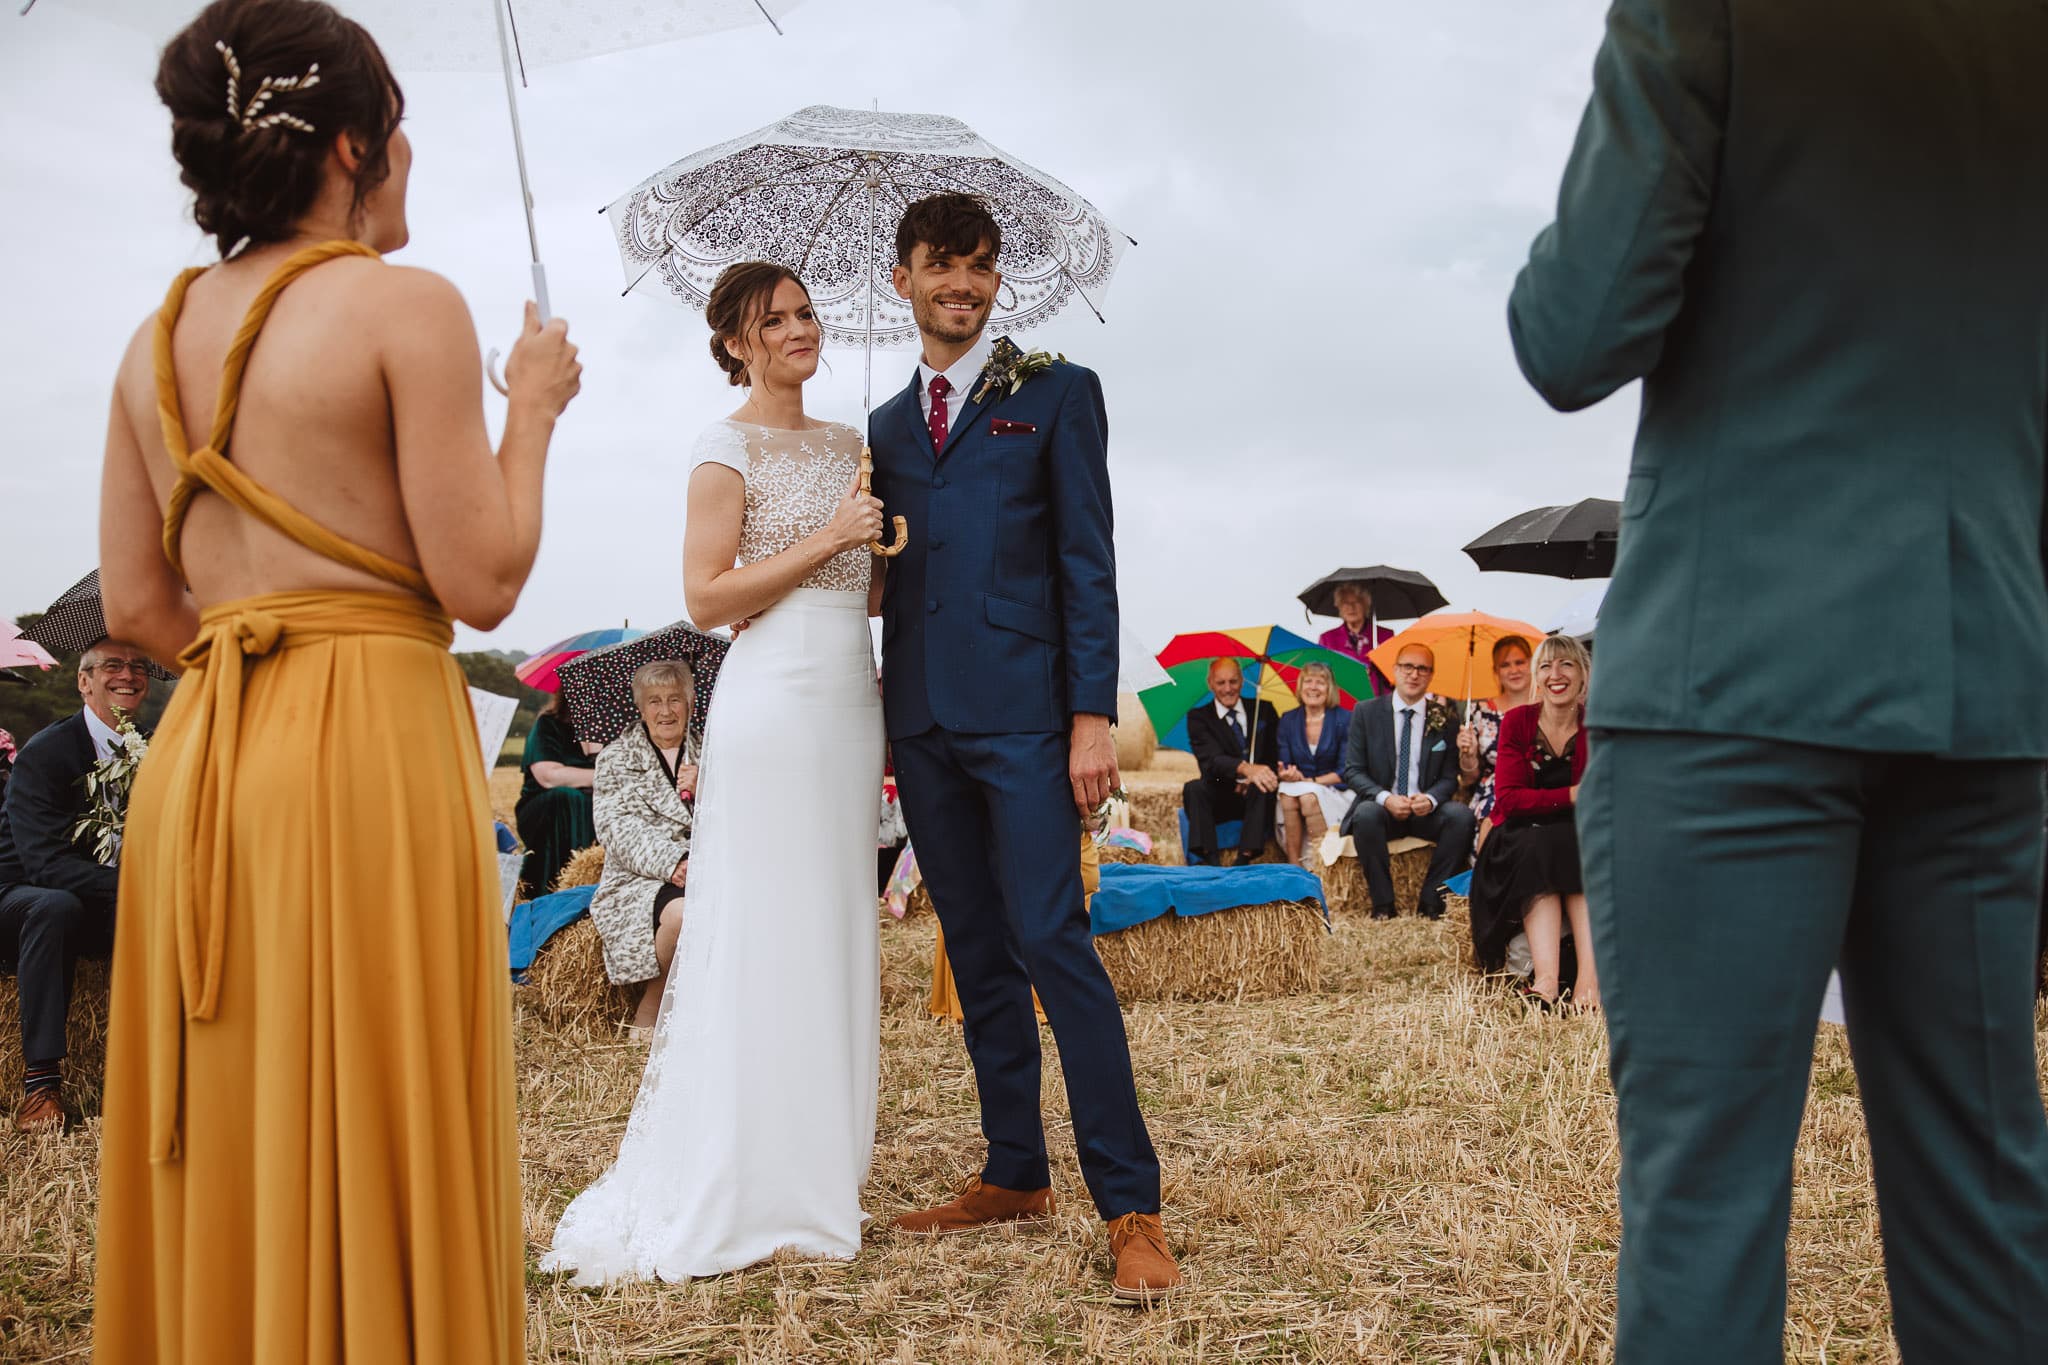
x: 646, y: 783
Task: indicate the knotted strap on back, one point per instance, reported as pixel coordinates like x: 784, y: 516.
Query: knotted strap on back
x: 209, y: 467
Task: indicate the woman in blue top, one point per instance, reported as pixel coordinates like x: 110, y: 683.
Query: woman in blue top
x: 1313, y: 796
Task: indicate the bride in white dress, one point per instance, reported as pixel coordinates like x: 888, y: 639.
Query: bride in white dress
x: 755, y: 1119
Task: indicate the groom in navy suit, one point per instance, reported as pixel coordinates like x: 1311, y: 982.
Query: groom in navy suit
x: 999, y: 671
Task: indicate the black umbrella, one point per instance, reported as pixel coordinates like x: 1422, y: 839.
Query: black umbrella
x: 1560, y: 542
x: 1397, y: 594
x: 76, y: 622
x: 598, y: 686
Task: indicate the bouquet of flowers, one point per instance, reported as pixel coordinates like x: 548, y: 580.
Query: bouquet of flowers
x: 106, y: 790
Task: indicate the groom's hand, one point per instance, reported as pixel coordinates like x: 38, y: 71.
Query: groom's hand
x: 1091, y: 762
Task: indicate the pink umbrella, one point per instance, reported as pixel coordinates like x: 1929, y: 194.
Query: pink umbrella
x: 15, y: 651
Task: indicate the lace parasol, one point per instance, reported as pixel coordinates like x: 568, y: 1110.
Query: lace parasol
x: 821, y: 192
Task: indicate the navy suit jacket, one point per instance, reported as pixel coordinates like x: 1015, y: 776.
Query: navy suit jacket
x: 1001, y: 616
x: 45, y: 797
x: 1371, y: 748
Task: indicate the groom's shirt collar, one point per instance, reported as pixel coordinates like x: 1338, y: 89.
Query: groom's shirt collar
x: 963, y: 374
x: 103, y: 735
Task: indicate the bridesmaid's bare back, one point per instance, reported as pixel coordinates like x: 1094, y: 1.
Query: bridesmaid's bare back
x: 314, y: 424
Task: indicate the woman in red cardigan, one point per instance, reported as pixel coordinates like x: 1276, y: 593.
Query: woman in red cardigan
x: 1527, y: 880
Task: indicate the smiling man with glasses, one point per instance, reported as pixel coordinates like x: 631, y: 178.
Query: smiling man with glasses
x: 1405, y: 770
x: 56, y: 898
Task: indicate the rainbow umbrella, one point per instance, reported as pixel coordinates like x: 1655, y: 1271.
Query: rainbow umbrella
x: 539, y: 671
x: 1272, y: 660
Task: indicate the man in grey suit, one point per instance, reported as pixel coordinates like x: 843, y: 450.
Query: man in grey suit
x: 1819, y: 233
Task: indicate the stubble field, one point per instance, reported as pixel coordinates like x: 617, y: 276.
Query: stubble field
x: 1402, y: 1166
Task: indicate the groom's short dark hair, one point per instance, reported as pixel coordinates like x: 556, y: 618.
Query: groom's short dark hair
x: 956, y: 224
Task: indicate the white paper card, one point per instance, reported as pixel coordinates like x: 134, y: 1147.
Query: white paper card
x: 493, y: 723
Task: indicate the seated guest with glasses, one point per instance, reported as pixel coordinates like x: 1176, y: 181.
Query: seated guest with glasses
x: 646, y: 793
x: 56, y: 897
x: 1237, y: 747
x: 1401, y: 758
x: 1313, y: 796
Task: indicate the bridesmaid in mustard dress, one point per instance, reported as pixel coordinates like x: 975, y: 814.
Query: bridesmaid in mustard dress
x: 309, y: 1151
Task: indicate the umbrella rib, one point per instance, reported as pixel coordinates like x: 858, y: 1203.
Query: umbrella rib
x: 817, y: 233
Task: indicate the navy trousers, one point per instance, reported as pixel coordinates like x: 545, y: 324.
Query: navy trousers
x: 998, y: 842
x: 1725, y: 877
x: 44, y: 931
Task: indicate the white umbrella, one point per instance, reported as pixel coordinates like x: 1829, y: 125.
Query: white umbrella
x: 1136, y: 668
x: 1581, y: 615
x: 821, y: 191
x: 450, y: 35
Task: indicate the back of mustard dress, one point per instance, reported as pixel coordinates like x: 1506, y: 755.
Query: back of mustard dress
x: 309, y: 1149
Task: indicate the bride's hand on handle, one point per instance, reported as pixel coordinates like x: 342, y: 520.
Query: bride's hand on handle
x: 543, y: 372
x: 857, y: 521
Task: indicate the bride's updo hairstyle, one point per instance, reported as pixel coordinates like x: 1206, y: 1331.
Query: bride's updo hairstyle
x: 258, y: 90
x: 738, y: 303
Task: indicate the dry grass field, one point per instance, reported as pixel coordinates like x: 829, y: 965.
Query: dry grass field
x: 1400, y: 1167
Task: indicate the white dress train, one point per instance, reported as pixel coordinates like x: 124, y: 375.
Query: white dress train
x: 755, y: 1120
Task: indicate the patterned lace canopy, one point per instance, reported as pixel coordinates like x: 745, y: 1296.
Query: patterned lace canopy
x: 821, y: 192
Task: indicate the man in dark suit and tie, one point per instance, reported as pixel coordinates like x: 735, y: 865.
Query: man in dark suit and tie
x: 1405, y: 771
x: 1237, y: 748
x: 1816, y: 232
x: 56, y: 897
x: 999, y: 647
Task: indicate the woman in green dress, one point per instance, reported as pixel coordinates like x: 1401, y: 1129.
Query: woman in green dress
x: 554, y: 810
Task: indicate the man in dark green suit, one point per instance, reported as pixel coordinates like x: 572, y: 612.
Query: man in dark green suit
x: 1818, y: 232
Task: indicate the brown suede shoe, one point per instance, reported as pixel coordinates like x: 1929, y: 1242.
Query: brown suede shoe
x: 978, y: 1205
x: 42, y: 1111
x: 1145, y: 1272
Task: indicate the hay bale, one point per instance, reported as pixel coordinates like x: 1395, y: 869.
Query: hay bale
x: 1255, y: 952
x: 1136, y: 742
x: 85, y: 1038
x: 567, y: 987
x: 1155, y: 810
x: 584, y: 868
x: 918, y: 902
x: 1117, y: 853
x: 1344, y: 882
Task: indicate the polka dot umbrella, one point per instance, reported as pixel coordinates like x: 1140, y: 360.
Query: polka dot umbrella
x: 598, y: 686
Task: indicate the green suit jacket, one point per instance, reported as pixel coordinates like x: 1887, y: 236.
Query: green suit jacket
x: 1818, y: 232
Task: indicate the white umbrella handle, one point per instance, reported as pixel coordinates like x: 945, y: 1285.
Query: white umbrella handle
x: 492, y: 371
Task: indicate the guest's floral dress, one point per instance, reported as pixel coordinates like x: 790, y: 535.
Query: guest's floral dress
x: 1484, y: 718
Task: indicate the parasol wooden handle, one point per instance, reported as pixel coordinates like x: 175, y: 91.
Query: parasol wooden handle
x: 867, y: 476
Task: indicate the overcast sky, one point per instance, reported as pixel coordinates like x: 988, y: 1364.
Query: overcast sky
x: 1306, y: 359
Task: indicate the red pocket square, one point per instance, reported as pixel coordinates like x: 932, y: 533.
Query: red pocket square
x: 1003, y: 426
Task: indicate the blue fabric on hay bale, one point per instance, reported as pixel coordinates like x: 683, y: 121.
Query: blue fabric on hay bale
x: 536, y: 921
x: 1132, y: 893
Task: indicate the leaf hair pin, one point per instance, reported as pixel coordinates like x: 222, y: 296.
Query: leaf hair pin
x: 251, y: 115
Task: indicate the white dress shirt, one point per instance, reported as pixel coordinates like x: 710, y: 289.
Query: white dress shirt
x: 1420, y: 708
x: 104, y: 737
x: 963, y: 374
x: 1224, y: 713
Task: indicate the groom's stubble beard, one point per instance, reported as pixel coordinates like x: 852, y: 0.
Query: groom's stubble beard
x: 952, y: 328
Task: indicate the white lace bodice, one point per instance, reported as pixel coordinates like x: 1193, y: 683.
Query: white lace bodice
x: 795, y: 480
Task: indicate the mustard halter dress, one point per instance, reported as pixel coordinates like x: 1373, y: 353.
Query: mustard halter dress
x: 309, y: 1150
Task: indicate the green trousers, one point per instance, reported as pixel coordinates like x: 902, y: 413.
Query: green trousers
x: 1726, y: 877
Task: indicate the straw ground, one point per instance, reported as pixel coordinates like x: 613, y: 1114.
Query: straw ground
x: 1400, y: 1166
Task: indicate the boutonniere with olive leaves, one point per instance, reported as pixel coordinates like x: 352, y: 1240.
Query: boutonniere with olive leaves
x: 1008, y: 368
x: 1438, y: 715
x: 106, y: 790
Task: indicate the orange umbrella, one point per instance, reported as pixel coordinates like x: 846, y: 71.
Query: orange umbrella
x: 1463, y: 643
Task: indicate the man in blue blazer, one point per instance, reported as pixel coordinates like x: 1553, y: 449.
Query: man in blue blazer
x: 1818, y: 233
x: 56, y: 897
x: 1405, y: 770
x: 999, y: 669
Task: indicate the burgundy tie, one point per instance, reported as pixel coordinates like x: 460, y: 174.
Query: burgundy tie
x: 937, y: 420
